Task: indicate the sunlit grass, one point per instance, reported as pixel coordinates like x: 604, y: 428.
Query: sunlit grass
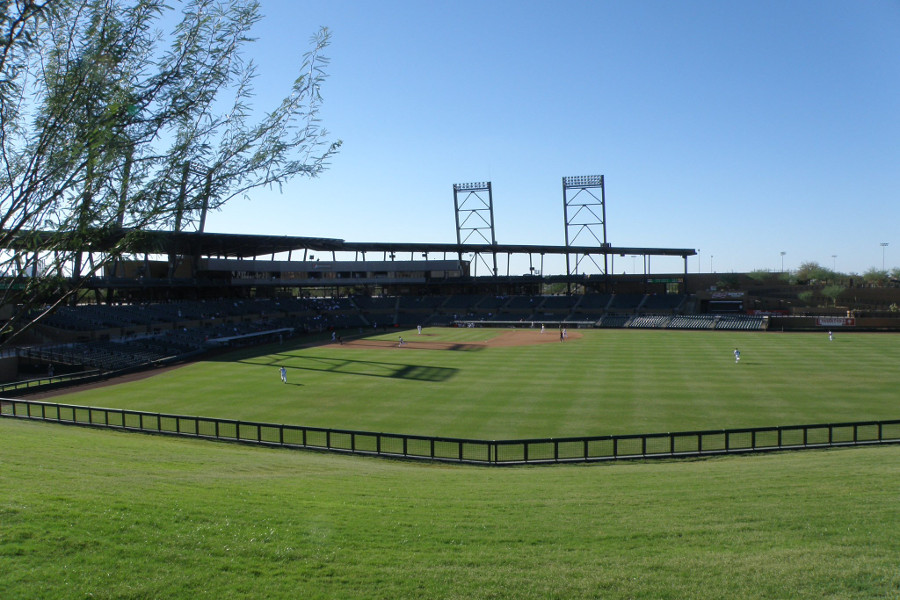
x: 606, y: 382
x: 99, y: 514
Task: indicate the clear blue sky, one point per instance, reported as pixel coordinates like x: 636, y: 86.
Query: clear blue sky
x: 740, y: 129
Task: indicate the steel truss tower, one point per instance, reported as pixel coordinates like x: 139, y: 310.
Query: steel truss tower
x: 474, y: 205
x: 585, y: 215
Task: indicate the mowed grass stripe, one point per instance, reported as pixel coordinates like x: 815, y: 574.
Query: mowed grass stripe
x: 101, y: 514
x: 605, y: 382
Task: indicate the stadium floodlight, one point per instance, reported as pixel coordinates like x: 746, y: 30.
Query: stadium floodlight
x: 583, y: 181
x: 883, y: 246
x: 469, y: 187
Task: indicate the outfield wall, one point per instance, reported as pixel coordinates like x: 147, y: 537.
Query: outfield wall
x: 481, y: 452
x: 815, y: 323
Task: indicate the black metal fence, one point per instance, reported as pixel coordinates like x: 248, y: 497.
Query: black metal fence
x: 503, y: 452
x: 50, y: 382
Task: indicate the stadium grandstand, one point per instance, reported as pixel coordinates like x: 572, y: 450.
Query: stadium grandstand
x: 179, y: 294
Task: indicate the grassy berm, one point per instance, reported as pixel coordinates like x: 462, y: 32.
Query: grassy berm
x: 98, y: 514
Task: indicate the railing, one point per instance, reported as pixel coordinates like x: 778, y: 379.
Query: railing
x: 48, y: 381
x: 503, y: 452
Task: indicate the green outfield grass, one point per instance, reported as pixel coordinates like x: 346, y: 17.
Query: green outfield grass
x: 606, y: 382
x: 100, y: 514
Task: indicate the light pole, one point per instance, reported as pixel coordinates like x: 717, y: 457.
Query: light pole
x: 782, y: 260
x: 834, y: 262
x: 883, y: 246
x: 710, y: 263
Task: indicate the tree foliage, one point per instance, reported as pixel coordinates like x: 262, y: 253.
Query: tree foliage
x: 728, y: 281
x: 813, y: 272
x: 760, y: 275
x: 833, y: 292
x: 111, y: 125
x: 875, y: 277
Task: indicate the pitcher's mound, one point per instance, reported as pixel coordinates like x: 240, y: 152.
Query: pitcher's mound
x: 530, y: 337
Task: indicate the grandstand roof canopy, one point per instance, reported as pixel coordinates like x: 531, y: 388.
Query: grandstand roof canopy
x: 248, y: 245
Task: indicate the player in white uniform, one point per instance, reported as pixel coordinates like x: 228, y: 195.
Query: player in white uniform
x: 737, y: 356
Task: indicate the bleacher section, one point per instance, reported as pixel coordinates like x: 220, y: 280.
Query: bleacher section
x: 655, y: 303
x: 613, y: 321
x: 742, y: 322
x: 625, y: 302
x: 650, y: 322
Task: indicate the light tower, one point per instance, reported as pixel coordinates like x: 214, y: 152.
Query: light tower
x: 585, y: 216
x: 474, y: 204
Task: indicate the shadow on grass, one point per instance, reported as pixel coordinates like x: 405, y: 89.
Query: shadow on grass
x: 366, y: 368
